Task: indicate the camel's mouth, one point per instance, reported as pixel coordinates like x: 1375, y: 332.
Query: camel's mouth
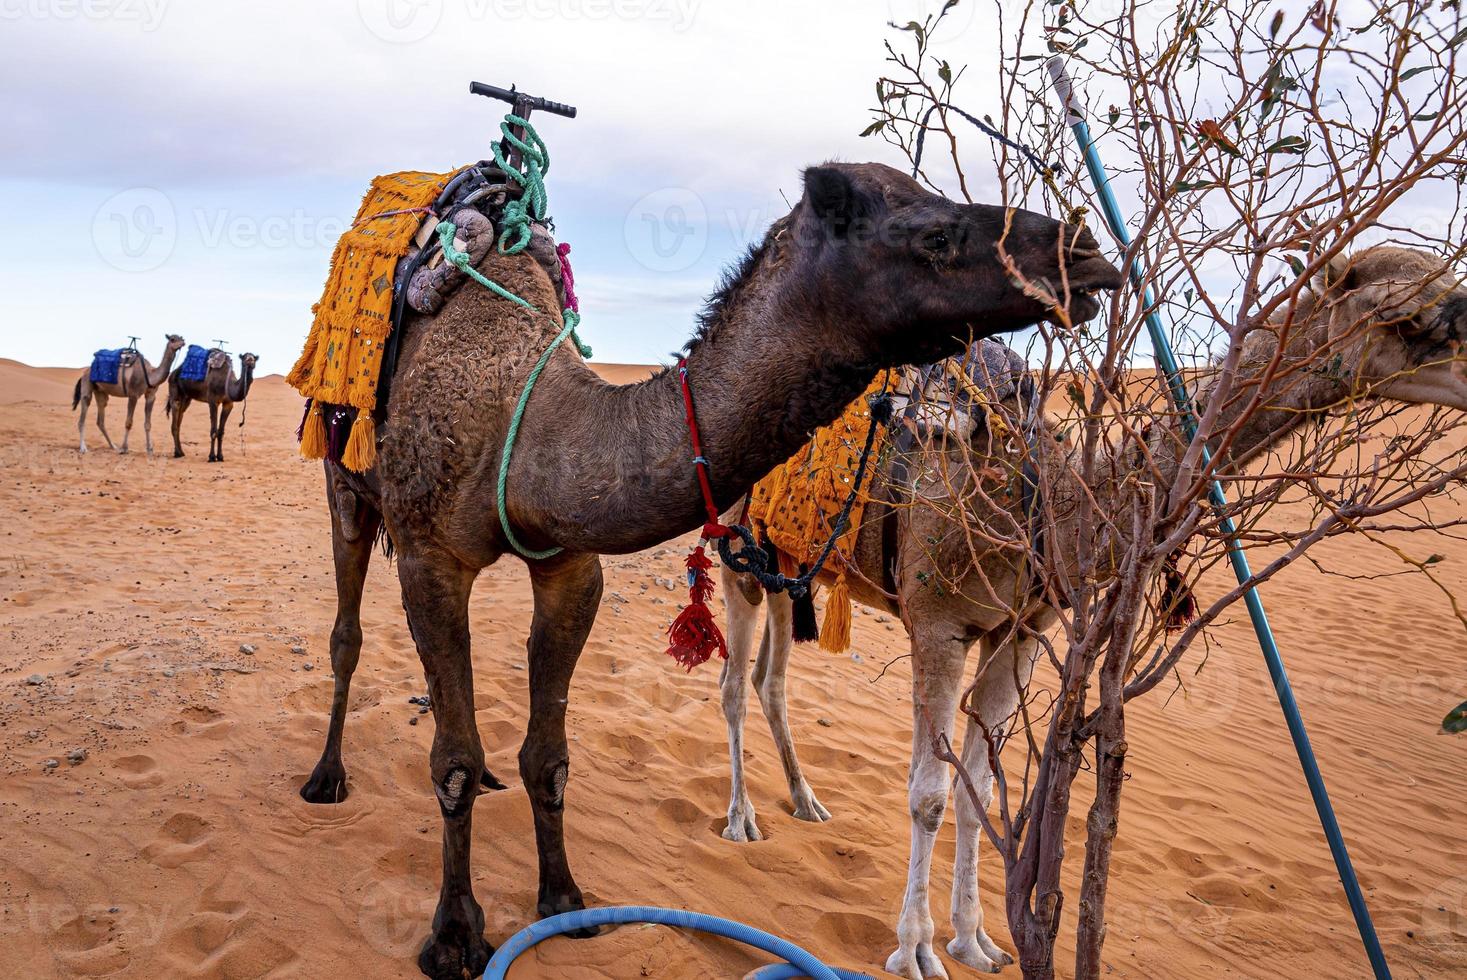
x: 1092, y: 275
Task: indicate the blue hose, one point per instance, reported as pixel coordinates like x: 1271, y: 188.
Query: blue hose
x: 799, y: 963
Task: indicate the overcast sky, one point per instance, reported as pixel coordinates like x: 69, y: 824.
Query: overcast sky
x: 186, y: 165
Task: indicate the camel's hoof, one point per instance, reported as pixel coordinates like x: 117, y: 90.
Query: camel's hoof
x: 547, y: 907
x: 326, y: 785
x: 811, y: 810
x: 741, y: 827
x: 488, y: 781
x: 979, y: 955
x: 452, y: 952
x: 178, y: 454
x: 83, y: 450
x: 916, y: 964
x: 122, y: 451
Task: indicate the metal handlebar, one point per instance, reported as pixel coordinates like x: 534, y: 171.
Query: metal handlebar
x: 522, y: 101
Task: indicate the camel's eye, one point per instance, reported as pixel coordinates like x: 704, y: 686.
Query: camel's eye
x: 936, y: 242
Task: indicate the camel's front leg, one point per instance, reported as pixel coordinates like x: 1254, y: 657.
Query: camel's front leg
x: 743, y: 622
x: 101, y: 397
x: 148, y: 400
x: 769, y: 679
x: 435, y: 593
x: 995, y: 698
x: 132, y: 407
x: 938, y: 653
x: 567, y: 593
x: 224, y: 411
x: 213, y: 430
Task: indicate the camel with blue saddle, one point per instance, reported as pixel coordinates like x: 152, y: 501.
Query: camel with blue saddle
x: 122, y: 373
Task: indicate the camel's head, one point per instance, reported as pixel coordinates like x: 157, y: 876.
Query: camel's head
x: 1397, y: 317
x: 917, y: 270
x: 247, y: 361
x: 175, y: 342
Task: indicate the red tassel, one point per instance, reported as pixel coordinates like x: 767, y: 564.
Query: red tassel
x: 694, y: 635
x: 1177, y: 597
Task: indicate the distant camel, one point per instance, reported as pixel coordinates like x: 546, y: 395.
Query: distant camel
x: 221, y: 388
x: 135, y: 379
x: 1391, y: 320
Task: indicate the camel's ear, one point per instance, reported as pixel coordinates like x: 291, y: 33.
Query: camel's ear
x: 835, y: 198
x: 1338, y: 273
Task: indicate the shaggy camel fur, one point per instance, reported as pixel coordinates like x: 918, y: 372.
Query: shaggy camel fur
x: 1395, y: 317
x: 221, y: 388
x: 868, y: 270
x: 135, y: 379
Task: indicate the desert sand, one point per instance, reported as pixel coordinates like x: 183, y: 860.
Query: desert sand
x: 177, y: 847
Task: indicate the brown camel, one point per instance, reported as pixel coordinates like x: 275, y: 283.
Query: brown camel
x: 1394, y: 317
x: 868, y: 270
x: 135, y: 379
x: 221, y: 388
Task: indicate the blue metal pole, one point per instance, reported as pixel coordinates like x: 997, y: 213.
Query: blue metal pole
x: 1168, y: 363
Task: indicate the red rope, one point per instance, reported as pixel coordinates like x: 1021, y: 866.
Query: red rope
x: 694, y: 636
x: 713, y: 528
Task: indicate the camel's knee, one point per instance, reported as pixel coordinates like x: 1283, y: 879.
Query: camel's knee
x: 927, y: 808
x: 346, y: 646
x: 545, y: 777
x: 456, y: 777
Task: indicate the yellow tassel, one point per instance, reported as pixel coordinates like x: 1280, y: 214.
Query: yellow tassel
x: 361, y: 448
x: 835, y: 633
x: 313, y: 437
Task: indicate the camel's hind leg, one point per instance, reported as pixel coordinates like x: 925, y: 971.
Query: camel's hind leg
x: 101, y: 397
x: 769, y: 681
x: 1003, y: 672
x: 354, y: 524
x: 741, y: 599
x: 435, y: 593
x: 84, y: 401
x: 567, y: 593
x: 224, y: 410
x: 176, y: 407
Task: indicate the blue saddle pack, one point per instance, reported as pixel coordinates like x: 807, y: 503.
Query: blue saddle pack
x: 195, y: 364
x: 106, y: 364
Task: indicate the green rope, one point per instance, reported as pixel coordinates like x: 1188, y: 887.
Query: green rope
x: 516, y: 220
x: 509, y: 438
x: 532, y: 201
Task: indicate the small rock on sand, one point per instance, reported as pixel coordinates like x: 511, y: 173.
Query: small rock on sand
x: 36, y: 680
x: 51, y: 763
x: 308, y: 665
x: 248, y: 649
x: 75, y: 756
x: 298, y: 650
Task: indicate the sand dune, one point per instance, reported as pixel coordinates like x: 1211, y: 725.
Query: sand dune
x: 178, y: 846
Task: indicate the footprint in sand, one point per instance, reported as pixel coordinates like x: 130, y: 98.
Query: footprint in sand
x: 184, y: 837
x: 86, y: 946
x: 138, y: 771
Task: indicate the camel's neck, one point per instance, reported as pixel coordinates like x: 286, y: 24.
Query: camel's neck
x: 763, y: 379
x: 239, y: 386
x: 1267, y: 403
x: 157, y: 375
